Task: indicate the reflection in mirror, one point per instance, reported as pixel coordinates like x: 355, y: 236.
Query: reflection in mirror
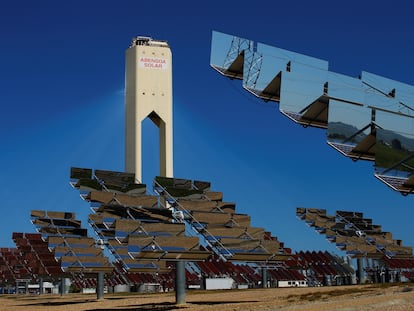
x: 301, y: 95
x: 343, y: 88
x: 263, y: 70
x: 260, y: 77
x: 351, y: 130
x: 367, y: 118
x: 388, y: 94
x: 394, y: 161
x: 227, y: 54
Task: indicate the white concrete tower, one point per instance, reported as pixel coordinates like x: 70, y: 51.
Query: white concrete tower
x: 148, y: 94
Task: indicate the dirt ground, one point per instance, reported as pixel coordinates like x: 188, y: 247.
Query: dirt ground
x: 343, y: 298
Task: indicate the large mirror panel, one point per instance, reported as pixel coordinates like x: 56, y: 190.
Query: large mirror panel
x: 227, y: 54
x: 394, y: 161
x: 350, y: 129
x: 300, y: 95
x: 388, y: 94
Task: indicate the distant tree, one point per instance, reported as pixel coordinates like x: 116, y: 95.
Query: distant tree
x: 396, y: 144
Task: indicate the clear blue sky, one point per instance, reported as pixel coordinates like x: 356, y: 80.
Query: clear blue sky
x: 61, y: 93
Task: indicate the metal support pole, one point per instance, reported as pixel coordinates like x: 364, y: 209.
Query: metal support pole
x: 41, y: 289
x: 203, y: 281
x: 180, y: 282
x: 360, y: 270
x: 62, y: 286
x: 100, y: 286
x: 264, y: 277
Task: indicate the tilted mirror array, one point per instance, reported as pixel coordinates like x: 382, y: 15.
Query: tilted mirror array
x: 367, y: 117
x: 69, y: 241
x: 355, y: 234
x: 181, y: 220
x: 140, y: 233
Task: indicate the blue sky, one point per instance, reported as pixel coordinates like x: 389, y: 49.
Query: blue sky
x: 61, y: 93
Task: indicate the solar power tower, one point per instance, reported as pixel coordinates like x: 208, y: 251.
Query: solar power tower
x: 148, y: 94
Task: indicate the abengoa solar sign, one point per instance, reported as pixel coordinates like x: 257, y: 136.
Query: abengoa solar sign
x: 155, y: 63
x: 367, y: 117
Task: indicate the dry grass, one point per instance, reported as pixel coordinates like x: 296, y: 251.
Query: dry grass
x: 329, y: 294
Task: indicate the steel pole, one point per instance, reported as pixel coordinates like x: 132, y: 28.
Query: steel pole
x: 180, y: 282
x: 100, y: 286
x: 264, y: 277
x: 41, y: 290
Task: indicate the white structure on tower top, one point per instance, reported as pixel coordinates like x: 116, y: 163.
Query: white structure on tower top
x: 148, y: 41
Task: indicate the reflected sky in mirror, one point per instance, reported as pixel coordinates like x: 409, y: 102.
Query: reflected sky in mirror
x: 345, y: 88
x: 225, y: 49
x: 300, y: 88
x: 388, y: 94
x: 263, y: 70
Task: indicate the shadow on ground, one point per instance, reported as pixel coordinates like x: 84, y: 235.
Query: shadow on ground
x: 57, y: 303
x: 166, y: 306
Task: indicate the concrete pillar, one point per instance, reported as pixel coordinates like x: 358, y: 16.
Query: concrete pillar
x: 41, y: 289
x: 62, y: 286
x: 203, y: 281
x: 100, y: 285
x: 264, y: 277
x: 360, y: 270
x: 180, y: 282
